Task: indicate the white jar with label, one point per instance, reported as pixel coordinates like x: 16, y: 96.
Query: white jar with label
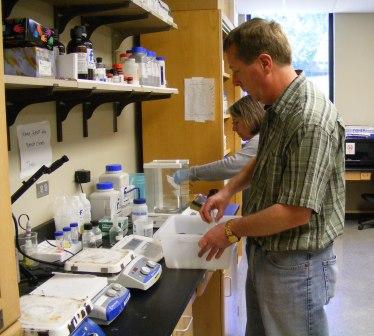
x: 105, y: 201
x: 139, y: 216
x: 115, y: 174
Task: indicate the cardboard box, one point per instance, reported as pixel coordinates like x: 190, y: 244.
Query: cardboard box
x: 30, y: 61
x: 26, y: 32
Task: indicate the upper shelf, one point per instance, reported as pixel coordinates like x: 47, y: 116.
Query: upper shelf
x: 128, y: 17
x: 23, y: 82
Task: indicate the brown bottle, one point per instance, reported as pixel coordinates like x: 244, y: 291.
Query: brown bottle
x: 76, y: 45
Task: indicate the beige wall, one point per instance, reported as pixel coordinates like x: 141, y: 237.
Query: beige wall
x: 354, y: 72
x: 101, y: 147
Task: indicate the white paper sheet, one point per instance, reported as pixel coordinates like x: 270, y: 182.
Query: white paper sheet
x: 199, y: 99
x: 34, y: 147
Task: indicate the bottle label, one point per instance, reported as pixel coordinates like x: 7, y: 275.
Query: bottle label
x: 82, y: 63
x: 90, y: 59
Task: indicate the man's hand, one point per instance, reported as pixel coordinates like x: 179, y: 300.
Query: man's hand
x: 214, y: 241
x: 218, y: 201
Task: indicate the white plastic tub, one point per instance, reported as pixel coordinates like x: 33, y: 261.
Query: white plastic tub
x: 179, y: 237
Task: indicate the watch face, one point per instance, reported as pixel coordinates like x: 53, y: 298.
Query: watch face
x: 233, y: 239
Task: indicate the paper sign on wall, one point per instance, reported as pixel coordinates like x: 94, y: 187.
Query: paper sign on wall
x: 199, y: 99
x: 34, y: 147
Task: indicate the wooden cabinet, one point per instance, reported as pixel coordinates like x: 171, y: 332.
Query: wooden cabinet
x: 9, y: 301
x: 194, y: 50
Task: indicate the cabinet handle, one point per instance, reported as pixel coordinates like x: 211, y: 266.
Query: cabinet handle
x: 188, y: 325
x: 228, y: 277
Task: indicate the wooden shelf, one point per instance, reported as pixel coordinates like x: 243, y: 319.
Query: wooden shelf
x: 23, y: 82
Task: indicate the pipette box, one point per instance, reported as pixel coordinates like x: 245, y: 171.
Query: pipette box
x: 179, y: 237
x: 163, y: 194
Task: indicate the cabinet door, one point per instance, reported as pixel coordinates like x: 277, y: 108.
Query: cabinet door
x: 9, y: 299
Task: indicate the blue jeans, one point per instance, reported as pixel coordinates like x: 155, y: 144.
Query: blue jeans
x: 286, y: 291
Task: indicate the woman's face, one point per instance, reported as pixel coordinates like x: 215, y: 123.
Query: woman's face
x: 239, y: 126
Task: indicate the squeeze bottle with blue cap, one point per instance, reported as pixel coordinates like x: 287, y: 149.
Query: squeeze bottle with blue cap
x: 67, y: 236
x: 139, y: 216
x: 114, y: 173
x: 74, y: 233
x: 140, y: 55
x: 104, y: 201
x: 59, y: 236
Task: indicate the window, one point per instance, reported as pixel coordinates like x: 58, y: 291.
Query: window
x: 310, y: 36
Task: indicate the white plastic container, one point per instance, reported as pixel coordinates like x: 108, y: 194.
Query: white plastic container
x: 131, y: 69
x: 162, y: 71
x: 115, y: 174
x: 139, y: 216
x: 104, y: 201
x: 179, y: 237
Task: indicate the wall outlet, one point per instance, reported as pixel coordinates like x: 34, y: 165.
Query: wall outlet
x: 42, y: 189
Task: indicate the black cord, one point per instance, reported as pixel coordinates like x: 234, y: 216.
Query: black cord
x: 80, y: 184
x: 27, y: 256
x: 19, y: 220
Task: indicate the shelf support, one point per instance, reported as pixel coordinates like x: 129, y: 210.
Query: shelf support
x: 93, y: 22
x: 65, y: 101
x: 62, y: 15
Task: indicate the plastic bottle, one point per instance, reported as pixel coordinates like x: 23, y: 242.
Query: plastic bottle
x: 90, y: 55
x: 67, y: 237
x: 86, y: 206
x: 161, y: 63
x: 98, y: 234
x: 74, y: 233
x: 118, y: 67
x: 88, y: 237
x: 59, y: 241
x: 115, y: 233
x: 139, y: 216
x: 140, y: 56
x: 114, y: 173
x: 131, y: 69
x: 105, y: 201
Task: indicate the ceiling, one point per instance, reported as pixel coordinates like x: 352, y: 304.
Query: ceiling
x: 314, y: 6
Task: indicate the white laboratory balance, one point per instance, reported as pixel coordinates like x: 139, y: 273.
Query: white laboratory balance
x: 141, y: 246
x: 164, y: 196
x: 118, y: 265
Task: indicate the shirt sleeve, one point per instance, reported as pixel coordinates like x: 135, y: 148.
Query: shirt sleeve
x: 308, y: 167
x: 228, y: 166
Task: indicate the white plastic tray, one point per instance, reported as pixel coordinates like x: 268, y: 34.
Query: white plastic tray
x: 179, y: 237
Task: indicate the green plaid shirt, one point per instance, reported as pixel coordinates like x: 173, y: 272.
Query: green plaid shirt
x: 300, y: 162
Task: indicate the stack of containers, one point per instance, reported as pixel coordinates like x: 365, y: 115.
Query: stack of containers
x: 120, y: 180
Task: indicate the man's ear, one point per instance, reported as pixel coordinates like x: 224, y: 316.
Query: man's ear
x: 266, y: 62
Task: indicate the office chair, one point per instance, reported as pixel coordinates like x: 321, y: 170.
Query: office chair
x: 370, y: 222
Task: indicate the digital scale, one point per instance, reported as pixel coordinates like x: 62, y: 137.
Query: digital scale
x: 107, y: 300
x: 118, y: 265
x: 141, y: 246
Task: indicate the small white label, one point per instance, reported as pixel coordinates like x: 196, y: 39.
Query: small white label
x: 45, y: 68
x: 82, y: 63
x: 119, y: 237
x: 350, y: 148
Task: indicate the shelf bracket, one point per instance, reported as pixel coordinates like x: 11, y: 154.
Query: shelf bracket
x: 62, y: 15
x: 93, y: 22
x: 7, y: 7
x: 65, y: 101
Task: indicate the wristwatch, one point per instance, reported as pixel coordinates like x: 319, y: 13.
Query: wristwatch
x: 229, y: 234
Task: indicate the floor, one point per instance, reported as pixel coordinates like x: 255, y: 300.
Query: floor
x: 351, y: 311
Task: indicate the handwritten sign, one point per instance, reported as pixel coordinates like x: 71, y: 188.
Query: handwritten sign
x: 35, y: 150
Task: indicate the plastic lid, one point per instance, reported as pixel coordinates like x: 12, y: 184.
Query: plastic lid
x: 99, y: 59
x: 94, y: 223
x: 123, y: 54
x: 113, y: 167
x: 88, y: 226
x: 104, y: 186
x: 59, y: 233
x: 73, y: 225
x: 138, y: 50
x: 118, y: 66
x: 151, y: 53
x: 160, y: 58
x: 77, y: 31
x: 139, y: 201
x: 66, y: 229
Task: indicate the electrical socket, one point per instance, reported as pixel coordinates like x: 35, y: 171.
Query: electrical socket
x: 42, y: 189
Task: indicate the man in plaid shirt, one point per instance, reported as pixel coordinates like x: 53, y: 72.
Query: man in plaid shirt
x: 297, y: 194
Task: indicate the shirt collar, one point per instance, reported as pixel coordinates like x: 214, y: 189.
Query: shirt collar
x: 286, y: 97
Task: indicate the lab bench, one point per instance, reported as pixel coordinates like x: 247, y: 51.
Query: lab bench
x: 157, y: 310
